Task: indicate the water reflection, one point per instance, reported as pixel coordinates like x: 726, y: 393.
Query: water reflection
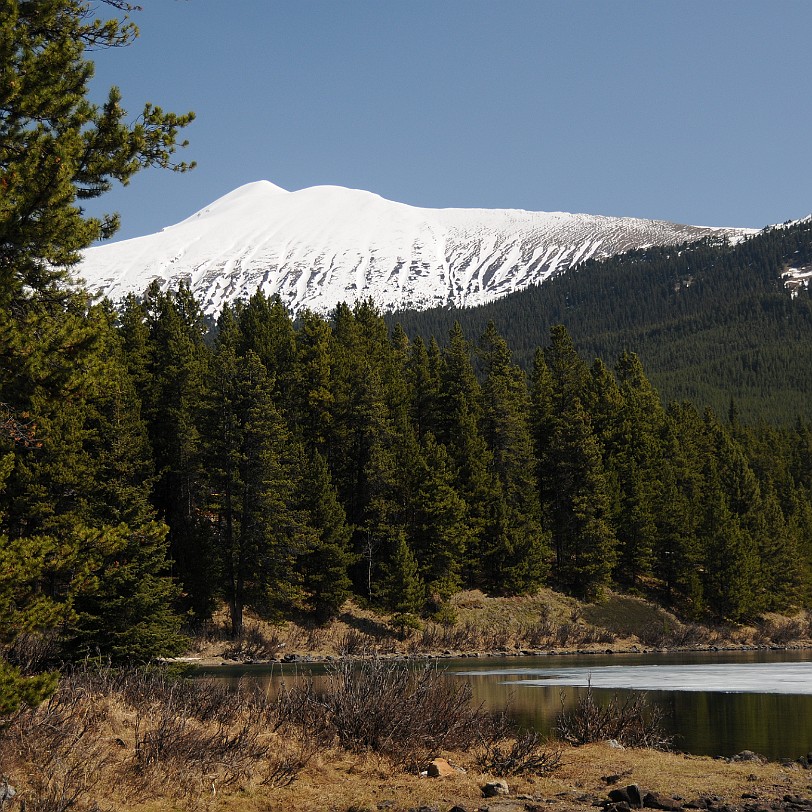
x: 713, y: 703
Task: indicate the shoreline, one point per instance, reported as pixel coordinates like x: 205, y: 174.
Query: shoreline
x: 293, y: 658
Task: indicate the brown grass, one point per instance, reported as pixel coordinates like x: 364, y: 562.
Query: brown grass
x: 142, y: 741
x: 544, y: 621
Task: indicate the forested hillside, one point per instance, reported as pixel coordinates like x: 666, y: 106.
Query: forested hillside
x: 297, y: 464
x: 709, y: 322
x: 152, y: 468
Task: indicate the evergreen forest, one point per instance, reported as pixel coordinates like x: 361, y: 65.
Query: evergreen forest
x: 153, y: 467
x: 710, y: 321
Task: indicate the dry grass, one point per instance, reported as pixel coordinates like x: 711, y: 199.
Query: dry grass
x: 142, y: 742
x: 544, y: 621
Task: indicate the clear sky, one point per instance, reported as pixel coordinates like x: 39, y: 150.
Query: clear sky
x: 695, y: 111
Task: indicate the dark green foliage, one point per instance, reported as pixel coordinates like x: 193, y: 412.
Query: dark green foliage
x: 82, y: 557
x: 325, y: 564
x: 296, y: 463
x: 709, y: 321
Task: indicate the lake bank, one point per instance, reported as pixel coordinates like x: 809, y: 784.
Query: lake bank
x: 480, y: 626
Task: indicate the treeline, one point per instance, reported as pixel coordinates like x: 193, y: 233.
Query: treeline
x: 299, y: 463
x: 708, y: 320
x: 152, y: 468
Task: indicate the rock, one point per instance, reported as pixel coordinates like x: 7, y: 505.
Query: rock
x: 630, y: 795
x: 749, y: 755
x: 457, y: 808
x: 7, y: 792
x: 440, y: 768
x: 653, y: 800
x: 613, y: 778
x: 494, y: 788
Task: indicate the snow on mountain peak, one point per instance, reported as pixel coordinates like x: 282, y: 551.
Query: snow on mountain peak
x: 323, y: 245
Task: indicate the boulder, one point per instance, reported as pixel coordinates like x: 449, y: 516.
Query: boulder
x: 653, y: 800
x: 494, y: 788
x: 630, y: 795
x: 440, y: 768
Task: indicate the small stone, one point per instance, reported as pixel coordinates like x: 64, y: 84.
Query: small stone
x: 440, y: 768
x: 494, y: 788
x: 653, y: 800
x: 630, y: 794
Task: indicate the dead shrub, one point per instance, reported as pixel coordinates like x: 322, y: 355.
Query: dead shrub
x: 631, y: 722
x: 539, y: 634
x: 185, y: 738
x: 782, y: 632
x: 254, y: 644
x: 528, y: 754
x: 404, y: 713
x: 60, y: 748
x: 353, y: 643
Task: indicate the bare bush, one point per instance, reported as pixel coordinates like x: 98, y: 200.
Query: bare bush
x: 353, y: 643
x: 782, y: 632
x: 596, y: 634
x: 631, y: 722
x: 185, y: 738
x: 254, y: 644
x: 60, y: 746
x: 526, y: 755
x: 393, y: 709
x: 539, y: 634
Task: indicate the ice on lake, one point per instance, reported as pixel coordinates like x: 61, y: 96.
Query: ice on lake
x: 758, y: 678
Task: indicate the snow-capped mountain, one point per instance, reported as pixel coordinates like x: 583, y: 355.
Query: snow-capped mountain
x: 327, y: 244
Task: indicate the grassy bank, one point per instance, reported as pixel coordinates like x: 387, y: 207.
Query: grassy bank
x: 478, y: 624
x: 146, y: 740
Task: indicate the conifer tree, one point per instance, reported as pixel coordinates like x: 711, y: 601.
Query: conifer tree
x: 459, y: 431
x: 272, y: 532
x: 56, y: 147
x: 636, y: 461
x: 78, y: 562
x: 173, y: 410
x: 583, y: 539
x: 313, y: 398
x: 267, y: 330
x: 325, y: 563
x: 424, y: 388
x: 404, y: 589
x: 440, y: 527
x: 515, y: 547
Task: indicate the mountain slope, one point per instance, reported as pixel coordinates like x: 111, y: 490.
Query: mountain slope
x: 327, y: 244
x: 709, y: 323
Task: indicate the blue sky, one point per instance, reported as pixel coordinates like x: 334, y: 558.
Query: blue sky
x: 694, y: 111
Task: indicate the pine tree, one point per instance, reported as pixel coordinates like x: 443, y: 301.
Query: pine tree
x: 440, y: 531
x: 173, y: 409
x: 56, y: 147
x: 516, y: 550
x: 267, y: 330
x: 459, y: 431
x: 578, y: 507
x: 404, y: 590
x: 312, y: 397
x: 77, y: 561
x: 324, y: 565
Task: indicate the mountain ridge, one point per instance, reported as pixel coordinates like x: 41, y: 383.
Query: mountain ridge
x: 322, y: 245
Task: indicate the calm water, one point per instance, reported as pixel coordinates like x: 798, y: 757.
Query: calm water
x: 713, y: 703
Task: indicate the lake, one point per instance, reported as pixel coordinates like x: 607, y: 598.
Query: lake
x: 713, y: 703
